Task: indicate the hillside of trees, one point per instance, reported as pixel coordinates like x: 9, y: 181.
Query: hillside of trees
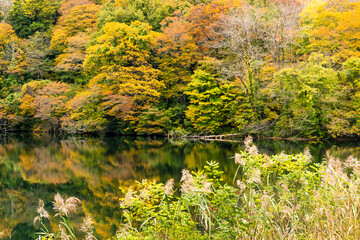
x: 271, y: 67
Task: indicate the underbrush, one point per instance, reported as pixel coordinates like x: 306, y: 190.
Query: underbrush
x: 272, y: 197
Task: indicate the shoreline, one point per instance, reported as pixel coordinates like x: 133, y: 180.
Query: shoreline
x: 231, y: 137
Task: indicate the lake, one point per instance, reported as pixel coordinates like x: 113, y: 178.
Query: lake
x: 36, y: 167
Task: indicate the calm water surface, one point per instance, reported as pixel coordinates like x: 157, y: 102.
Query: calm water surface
x: 92, y: 169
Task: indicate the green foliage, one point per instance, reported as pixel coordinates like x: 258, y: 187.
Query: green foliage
x: 351, y: 74
x: 11, y: 54
x: 8, y: 85
x: 28, y: 17
x: 36, y: 53
x: 152, y: 121
x: 10, y: 112
x: 127, y: 11
x: 210, y: 102
x: 280, y: 196
x: 310, y: 92
x: 85, y: 115
x: 1, y: 16
x: 206, y: 208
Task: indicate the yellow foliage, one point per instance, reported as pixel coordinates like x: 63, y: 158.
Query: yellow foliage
x: 10, y: 61
x: 120, y: 62
x: 332, y: 27
x: 27, y: 105
x: 71, y: 34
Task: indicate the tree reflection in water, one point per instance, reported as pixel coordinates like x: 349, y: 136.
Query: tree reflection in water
x: 92, y: 169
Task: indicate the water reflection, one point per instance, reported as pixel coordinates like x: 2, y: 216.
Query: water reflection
x: 38, y: 166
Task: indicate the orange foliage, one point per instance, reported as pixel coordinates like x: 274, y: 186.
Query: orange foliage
x: 66, y: 7
x: 177, y: 56
x: 204, y: 19
x: 71, y: 34
x: 11, y: 55
x: 332, y: 27
x: 45, y: 101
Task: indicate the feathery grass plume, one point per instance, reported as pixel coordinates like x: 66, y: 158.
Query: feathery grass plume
x: 307, y: 153
x: 206, y: 186
x: 352, y: 163
x: 240, y: 160
x: 250, y: 147
x: 88, y: 228
x: 128, y: 200
x: 144, y: 194
x: 42, y: 213
x: 333, y: 170
x: 62, y: 207
x: 268, y: 161
x: 169, y: 187
x: 253, y: 150
x: 284, y: 187
x: 241, y: 185
x: 255, y: 177
x: 248, y: 141
x: 190, y: 185
x: 188, y: 180
x: 265, y: 203
x: 63, y: 235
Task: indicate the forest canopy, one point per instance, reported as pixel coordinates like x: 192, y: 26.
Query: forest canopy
x: 282, y: 68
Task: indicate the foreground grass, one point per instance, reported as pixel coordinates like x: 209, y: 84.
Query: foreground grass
x: 276, y: 197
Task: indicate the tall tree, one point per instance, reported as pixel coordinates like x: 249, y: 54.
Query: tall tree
x: 176, y: 57
x: 242, y: 51
x: 120, y: 62
x: 281, y: 22
x: 28, y: 17
x: 45, y: 102
x: 36, y: 51
x: 349, y: 105
x: 204, y: 18
x: 10, y: 51
x: 11, y: 60
x: 211, y: 103
x: 312, y: 92
x: 71, y: 34
x: 127, y: 11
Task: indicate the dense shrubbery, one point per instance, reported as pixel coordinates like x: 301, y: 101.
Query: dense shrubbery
x: 275, y: 197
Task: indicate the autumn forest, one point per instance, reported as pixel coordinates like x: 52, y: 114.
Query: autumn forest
x: 281, y: 68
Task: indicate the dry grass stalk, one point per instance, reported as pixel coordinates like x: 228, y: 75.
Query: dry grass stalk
x: 42, y: 213
x: 88, y: 228
x: 169, y: 187
x: 64, y: 207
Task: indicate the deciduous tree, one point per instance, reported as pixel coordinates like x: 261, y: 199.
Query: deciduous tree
x: 36, y: 50
x: 211, y: 103
x: 28, y: 17
x: 72, y: 33
x: 45, y: 102
x: 331, y: 27
x: 127, y: 11
x: 120, y: 62
x: 312, y: 91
